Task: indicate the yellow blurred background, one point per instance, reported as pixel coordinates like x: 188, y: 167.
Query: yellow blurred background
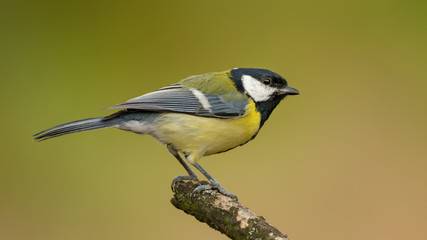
x: 346, y: 159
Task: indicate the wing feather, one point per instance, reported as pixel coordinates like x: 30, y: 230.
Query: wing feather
x: 179, y: 99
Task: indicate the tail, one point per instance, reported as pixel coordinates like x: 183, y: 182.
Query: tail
x: 72, y: 127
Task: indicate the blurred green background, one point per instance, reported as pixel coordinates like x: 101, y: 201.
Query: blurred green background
x: 347, y: 159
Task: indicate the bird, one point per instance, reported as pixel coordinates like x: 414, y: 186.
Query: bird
x: 199, y: 116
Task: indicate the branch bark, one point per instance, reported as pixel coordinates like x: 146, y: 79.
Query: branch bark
x: 223, y: 213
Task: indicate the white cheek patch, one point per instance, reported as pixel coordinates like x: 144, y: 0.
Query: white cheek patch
x: 258, y: 91
x: 202, y: 99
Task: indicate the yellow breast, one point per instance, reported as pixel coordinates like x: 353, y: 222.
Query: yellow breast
x: 201, y: 136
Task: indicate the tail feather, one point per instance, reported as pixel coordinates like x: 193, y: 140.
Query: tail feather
x: 72, y: 127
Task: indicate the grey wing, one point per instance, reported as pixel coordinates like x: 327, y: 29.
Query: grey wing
x: 177, y: 99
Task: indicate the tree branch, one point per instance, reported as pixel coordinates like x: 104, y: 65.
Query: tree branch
x: 223, y: 213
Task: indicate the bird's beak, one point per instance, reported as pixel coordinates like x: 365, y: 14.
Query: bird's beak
x: 289, y: 91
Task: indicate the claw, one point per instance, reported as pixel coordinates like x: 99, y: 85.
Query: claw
x: 216, y: 186
x: 181, y: 178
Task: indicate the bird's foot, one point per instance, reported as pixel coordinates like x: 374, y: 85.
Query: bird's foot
x: 214, y: 185
x: 182, y: 178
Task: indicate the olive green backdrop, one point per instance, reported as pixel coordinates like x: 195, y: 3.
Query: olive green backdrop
x: 346, y: 159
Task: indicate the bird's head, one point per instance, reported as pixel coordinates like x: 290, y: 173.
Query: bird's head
x: 265, y: 87
x: 261, y: 84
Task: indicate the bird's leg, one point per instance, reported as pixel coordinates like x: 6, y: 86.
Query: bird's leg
x: 214, y: 183
x: 191, y: 174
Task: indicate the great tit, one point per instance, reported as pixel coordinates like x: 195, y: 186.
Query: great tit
x: 198, y: 116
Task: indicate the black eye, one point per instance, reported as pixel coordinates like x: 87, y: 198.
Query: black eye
x: 266, y: 81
